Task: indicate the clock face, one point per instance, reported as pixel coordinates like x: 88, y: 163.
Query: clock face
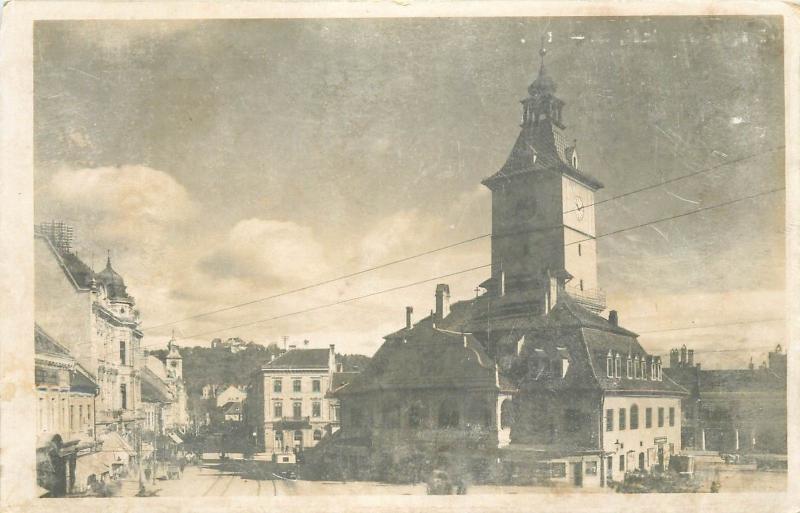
x: 579, y: 208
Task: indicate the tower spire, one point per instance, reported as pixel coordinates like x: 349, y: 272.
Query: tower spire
x: 542, y: 53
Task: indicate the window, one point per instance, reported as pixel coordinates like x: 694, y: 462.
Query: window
x: 448, y: 415
x: 297, y: 410
x: 629, y: 368
x: 635, y: 367
x: 298, y: 436
x: 316, y: 409
x: 277, y: 410
x: 123, y: 392
x: 558, y: 470
x: 671, y: 416
x: 661, y: 417
x: 414, y: 416
x: 316, y: 385
x: 591, y: 468
x: 122, y: 354
x: 336, y: 412
x: 317, y: 435
x: 296, y: 385
x: 80, y: 415
x: 609, y: 369
x: 573, y: 420
x: 648, y: 418
x: 72, y: 423
x: 279, y: 437
x: 579, y: 249
x: 634, y: 417
x: 609, y: 420
x: 621, y: 419
x: 622, y: 463
x: 277, y: 385
x: 617, y: 366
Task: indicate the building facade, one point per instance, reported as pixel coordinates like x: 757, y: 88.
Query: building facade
x: 95, y: 318
x: 289, y: 405
x: 733, y: 410
x: 66, y: 444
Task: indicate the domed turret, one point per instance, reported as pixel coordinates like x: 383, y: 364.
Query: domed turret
x: 113, y: 282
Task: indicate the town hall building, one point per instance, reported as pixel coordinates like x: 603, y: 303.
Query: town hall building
x: 528, y: 373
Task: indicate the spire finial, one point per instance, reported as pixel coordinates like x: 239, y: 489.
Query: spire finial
x: 542, y: 53
x: 108, y: 258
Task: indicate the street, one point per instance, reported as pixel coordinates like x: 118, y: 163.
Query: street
x: 210, y: 481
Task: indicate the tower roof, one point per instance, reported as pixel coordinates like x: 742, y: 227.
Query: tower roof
x: 112, y: 281
x: 541, y: 144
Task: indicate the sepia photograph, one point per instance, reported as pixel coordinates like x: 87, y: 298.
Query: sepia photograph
x: 396, y: 256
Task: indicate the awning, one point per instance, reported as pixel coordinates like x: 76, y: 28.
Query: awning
x: 175, y: 438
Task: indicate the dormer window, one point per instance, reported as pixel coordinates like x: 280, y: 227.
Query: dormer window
x: 635, y: 367
x: 629, y: 368
x: 617, y: 366
x: 575, y: 161
x: 609, y: 368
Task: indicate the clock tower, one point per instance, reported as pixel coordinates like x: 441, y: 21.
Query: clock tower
x: 543, y: 224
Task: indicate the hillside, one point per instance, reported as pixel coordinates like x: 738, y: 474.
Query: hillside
x: 204, y: 365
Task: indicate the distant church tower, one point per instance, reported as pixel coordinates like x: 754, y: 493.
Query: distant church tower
x: 174, y: 362
x: 543, y: 223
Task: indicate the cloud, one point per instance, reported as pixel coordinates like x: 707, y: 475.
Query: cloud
x: 118, y: 202
x: 269, y: 252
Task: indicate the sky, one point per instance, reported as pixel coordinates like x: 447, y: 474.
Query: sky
x: 223, y: 161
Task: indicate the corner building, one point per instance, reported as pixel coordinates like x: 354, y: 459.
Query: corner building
x: 577, y: 399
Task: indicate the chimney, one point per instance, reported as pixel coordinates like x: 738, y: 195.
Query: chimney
x: 409, y: 311
x: 683, y: 355
x: 613, y: 318
x: 551, y: 297
x: 442, y: 301
x: 690, y: 358
x: 501, y: 282
x: 305, y: 343
x: 673, y: 358
x: 332, y: 358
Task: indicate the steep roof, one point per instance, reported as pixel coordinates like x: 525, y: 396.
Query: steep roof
x: 77, y: 268
x: 428, y: 358
x: 44, y: 343
x: 301, y: 359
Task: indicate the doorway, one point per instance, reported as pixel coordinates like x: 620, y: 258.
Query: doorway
x: 577, y: 473
x: 641, y: 461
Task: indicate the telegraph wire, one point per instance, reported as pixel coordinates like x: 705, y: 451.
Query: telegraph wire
x: 703, y: 326
x: 483, y: 266
x: 615, y: 232
x: 459, y: 243
x: 684, y: 214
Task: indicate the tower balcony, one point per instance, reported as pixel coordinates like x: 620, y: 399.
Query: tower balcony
x: 593, y: 299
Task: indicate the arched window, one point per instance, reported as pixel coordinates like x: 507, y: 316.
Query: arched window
x: 635, y: 417
x: 448, y: 415
x: 415, y: 416
x: 317, y: 435
x: 506, y: 414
